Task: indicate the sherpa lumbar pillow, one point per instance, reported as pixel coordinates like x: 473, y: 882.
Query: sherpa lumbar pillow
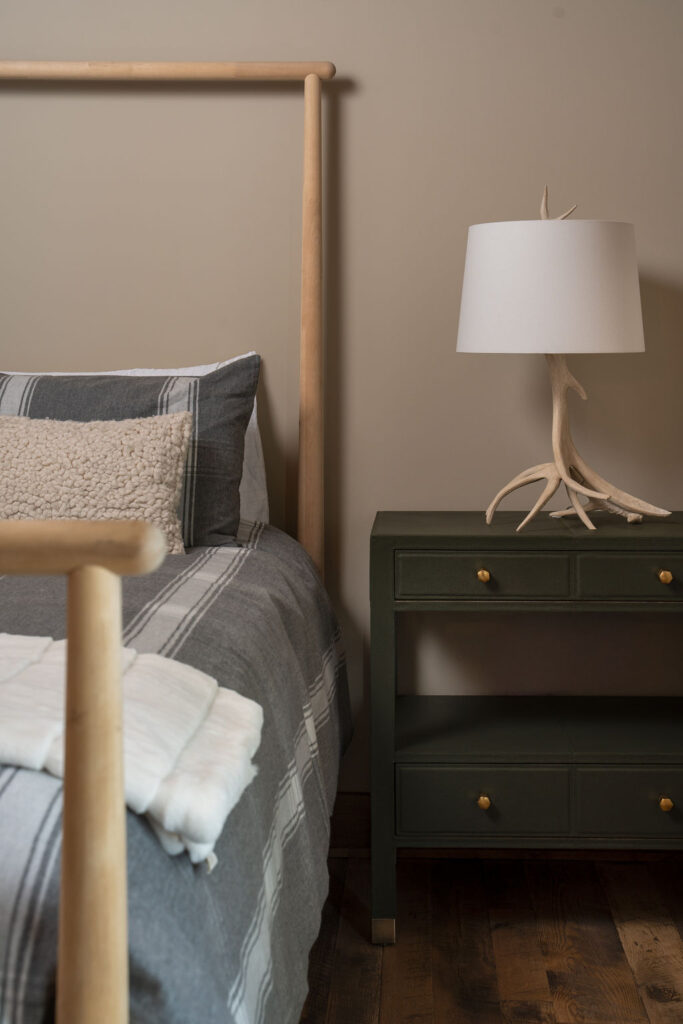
x: 103, y: 469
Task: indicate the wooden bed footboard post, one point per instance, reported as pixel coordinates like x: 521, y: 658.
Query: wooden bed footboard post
x: 92, y: 967
x: 92, y: 974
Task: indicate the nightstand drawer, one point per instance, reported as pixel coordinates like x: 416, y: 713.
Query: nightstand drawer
x: 438, y: 574
x: 616, y: 801
x: 627, y: 576
x: 442, y: 799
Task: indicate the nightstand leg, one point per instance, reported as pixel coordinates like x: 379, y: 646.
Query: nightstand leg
x: 382, y: 717
x: 384, y: 931
x: 383, y: 864
x: 383, y: 892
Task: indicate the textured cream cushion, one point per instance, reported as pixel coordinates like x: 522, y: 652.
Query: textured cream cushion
x: 104, y: 469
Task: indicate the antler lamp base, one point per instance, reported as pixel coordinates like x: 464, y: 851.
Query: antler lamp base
x: 568, y: 468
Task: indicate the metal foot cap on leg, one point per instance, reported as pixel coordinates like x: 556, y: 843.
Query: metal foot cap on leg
x: 384, y: 931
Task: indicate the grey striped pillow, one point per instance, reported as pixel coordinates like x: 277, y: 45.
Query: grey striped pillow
x: 220, y: 403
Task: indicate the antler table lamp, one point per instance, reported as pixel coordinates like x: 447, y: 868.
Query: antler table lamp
x: 556, y: 287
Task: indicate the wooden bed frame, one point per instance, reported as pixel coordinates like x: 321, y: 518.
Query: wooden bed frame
x: 92, y: 973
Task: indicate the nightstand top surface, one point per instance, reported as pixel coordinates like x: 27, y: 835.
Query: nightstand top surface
x: 423, y: 528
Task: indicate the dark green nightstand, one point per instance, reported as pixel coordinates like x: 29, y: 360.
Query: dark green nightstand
x: 563, y: 772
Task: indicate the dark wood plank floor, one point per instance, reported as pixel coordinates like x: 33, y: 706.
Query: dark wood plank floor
x: 534, y: 940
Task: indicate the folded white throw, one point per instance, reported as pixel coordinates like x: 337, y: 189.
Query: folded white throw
x: 188, y: 743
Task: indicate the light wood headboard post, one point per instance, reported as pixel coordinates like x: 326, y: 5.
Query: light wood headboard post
x: 92, y: 968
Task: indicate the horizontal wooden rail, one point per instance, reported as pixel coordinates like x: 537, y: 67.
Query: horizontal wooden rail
x: 163, y: 71
x: 50, y: 547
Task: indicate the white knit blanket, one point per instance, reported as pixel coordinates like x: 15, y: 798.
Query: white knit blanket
x: 188, y: 743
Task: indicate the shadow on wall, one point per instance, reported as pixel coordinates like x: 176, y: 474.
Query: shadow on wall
x: 634, y: 416
x: 281, y: 452
x: 351, y: 619
x: 663, y: 415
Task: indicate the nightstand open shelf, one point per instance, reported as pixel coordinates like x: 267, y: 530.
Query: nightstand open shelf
x: 541, y: 730
x: 504, y: 771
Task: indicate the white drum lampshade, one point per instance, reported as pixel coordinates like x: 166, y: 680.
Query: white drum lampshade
x: 557, y: 286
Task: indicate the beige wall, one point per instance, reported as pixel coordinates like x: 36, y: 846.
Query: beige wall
x: 164, y: 229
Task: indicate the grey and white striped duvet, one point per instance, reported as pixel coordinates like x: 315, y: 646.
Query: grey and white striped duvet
x: 230, y: 946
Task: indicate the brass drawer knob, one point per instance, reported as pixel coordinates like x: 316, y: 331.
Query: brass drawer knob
x: 665, y: 576
x: 484, y: 802
x: 666, y: 804
x: 484, y: 575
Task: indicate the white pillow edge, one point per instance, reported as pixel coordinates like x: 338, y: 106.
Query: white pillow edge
x: 183, y: 371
